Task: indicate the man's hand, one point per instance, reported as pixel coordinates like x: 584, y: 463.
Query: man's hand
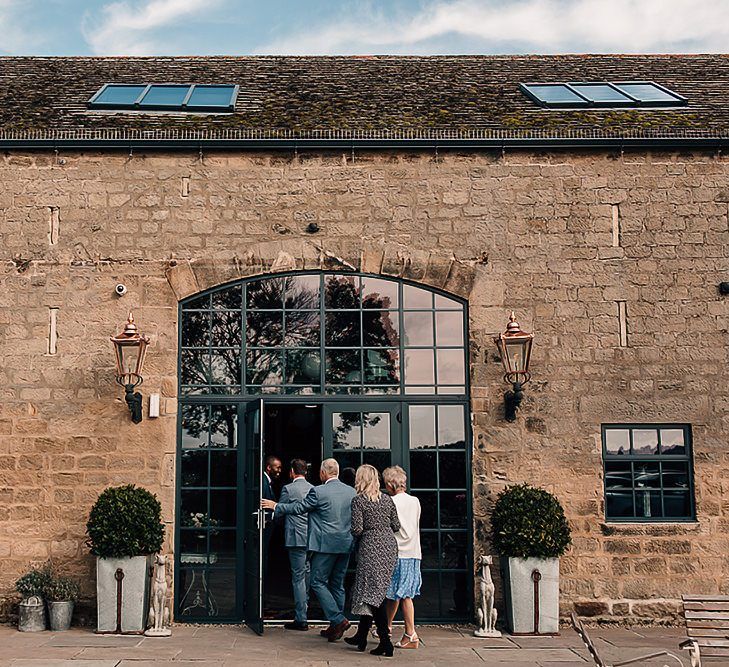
x: 268, y: 504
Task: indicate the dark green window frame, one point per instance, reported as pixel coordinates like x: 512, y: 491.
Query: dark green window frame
x: 649, y: 481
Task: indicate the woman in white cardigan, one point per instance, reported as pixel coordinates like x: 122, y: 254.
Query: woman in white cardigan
x: 406, y: 579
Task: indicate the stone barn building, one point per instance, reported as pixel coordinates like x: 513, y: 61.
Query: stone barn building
x: 329, y: 246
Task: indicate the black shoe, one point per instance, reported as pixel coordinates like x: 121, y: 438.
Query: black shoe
x: 326, y: 631
x: 385, y: 648
x: 296, y: 625
x: 360, y: 639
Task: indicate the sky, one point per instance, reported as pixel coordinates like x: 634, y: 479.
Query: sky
x: 334, y: 27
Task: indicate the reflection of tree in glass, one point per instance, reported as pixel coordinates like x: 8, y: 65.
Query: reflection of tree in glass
x: 221, y: 424
x: 350, y: 420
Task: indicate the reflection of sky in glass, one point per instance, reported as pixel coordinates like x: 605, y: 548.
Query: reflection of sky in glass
x: 645, y: 441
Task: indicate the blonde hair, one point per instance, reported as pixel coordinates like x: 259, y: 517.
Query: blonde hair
x: 395, y: 478
x: 367, y: 482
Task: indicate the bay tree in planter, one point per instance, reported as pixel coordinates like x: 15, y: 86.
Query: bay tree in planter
x: 125, y: 528
x: 530, y: 532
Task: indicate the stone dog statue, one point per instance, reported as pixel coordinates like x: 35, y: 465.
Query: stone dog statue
x: 159, y: 613
x: 486, y: 612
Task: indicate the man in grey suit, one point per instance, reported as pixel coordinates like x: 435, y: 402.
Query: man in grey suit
x: 296, y: 534
x: 329, y: 507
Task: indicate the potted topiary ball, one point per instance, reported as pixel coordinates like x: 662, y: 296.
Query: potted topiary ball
x: 530, y: 533
x: 32, y: 609
x: 125, y: 528
x: 61, y: 594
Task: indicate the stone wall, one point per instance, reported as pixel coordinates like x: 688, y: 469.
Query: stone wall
x: 560, y: 238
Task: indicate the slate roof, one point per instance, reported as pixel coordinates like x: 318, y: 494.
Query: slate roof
x: 372, y: 96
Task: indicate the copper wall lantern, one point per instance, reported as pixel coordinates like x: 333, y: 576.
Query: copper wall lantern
x: 130, y: 347
x: 515, y: 348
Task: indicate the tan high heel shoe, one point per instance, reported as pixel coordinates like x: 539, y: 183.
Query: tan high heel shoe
x: 408, y: 641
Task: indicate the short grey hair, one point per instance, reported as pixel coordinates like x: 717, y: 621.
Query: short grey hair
x: 330, y: 467
x: 395, y: 478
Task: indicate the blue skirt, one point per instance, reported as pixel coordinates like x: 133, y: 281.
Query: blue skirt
x: 406, y: 579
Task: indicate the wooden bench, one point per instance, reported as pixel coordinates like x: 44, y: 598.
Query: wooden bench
x: 599, y: 662
x: 707, y: 627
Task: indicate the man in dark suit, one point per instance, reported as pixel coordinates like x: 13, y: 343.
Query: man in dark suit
x: 329, y: 507
x: 271, y: 472
x: 296, y: 534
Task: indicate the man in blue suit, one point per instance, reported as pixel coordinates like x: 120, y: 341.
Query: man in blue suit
x: 329, y: 507
x: 296, y: 536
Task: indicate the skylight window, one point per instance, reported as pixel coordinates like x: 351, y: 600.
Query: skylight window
x: 165, y: 97
x: 579, y: 95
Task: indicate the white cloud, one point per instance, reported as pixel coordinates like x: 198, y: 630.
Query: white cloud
x: 524, y: 26
x: 125, y: 28
x: 15, y: 38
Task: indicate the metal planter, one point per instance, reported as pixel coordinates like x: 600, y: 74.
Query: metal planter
x: 59, y: 615
x: 32, y: 615
x: 122, y: 594
x: 531, y: 589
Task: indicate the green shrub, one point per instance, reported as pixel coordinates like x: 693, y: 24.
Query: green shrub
x: 61, y: 589
x: 529, y: 523
x: 34, y: 582
x: 125, y: 521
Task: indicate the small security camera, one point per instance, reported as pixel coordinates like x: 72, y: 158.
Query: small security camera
x: 120, y: 289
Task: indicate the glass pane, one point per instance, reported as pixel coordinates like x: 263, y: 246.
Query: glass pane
x: 211, y: 96
x: 379, y: 460
x: 193, y: 593
x: 422, y: 391
x: 422, y: 426
x: 454, y: 551
x: 194, y: 509
x: 618, y: 476
x: 428, y: 508
x: 167, y: 96
x: 382, y: 366
x: 451, y: 426
x: 444, y: 303
x: 193, y: 543
x: 226, y: 329
x: 416, y: 297
x: 452, y: 470
x: 303, y: 366
x: 343, y: 367
x: 266, y: 293
x: 302, y: 328
x: 646, y: 92
x: 646, y: 474
x: 225, y: 367
x: 264, y: 367
x: 617, y: 441
x: 449, y: 328
x: 351, y: 460
x: 619, y: 504
x: 302, y: 292
x: 264, y: 329
x: 430, y: 549
x: 451, y: 367
x: 194, y: 426
x: 343, y: 329
x: 222, y: 547
x: 675, y: 475
x: 601, y: 92
x: 228, y: 299
x: 198, y: 303
x: 645, y: 441
x: 453, y: 509
x: 676, y: 504
x: 423, y: 470
x: 195, y: 467
x: 454, y: 594
x: 195, y: 329
x: 341, y: 292
x: 380, y: 328
x: 672, y: 442
x: 376, y: 430
x: 120, y: 94
x: 648, y: 503
x: 222, y: 508
x: 223, y: 470
x: 347, y: 431
x: 429, y: 600
x: 195, y: 367
x: 379, y: 293
x: 555, y: 94
x: 419, y: 367
x: 221, y: 592
x: 417, y: 328
x: 458, y: 390
x: 223, y: 431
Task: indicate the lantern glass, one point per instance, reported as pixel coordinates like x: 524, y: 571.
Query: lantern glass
x: 130, y: 348
x: 516, y: 355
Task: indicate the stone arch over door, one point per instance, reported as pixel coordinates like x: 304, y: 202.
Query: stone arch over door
x: 440, y: 270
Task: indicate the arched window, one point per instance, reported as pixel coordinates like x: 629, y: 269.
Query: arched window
x: 322, y: 333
